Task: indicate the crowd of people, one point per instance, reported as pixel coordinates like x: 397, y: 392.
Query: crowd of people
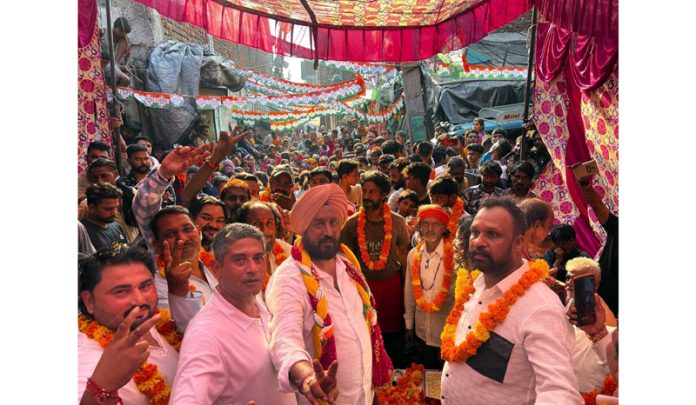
x: 305, y: 267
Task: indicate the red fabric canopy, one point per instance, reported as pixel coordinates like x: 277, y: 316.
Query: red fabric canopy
x: 347, y: 30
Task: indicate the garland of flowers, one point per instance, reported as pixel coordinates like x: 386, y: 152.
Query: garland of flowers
x: 265, y: 195
x: 457, y: 211
x: 608, y: 388
x: 204, y: 256
x: 280, y: 256
x: 386, y: 245
x: 488, y: 320
x: 441, y: 296
x: 322, y: 332
x: 408, y: 388
x: 148, y: 378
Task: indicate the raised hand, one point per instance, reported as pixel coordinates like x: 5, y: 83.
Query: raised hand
x: 124, y: 355
x: 225, y: 143
x: 176, y: 271
x: 327, y: 379
x: 181, y: 158
x: 322, y: 385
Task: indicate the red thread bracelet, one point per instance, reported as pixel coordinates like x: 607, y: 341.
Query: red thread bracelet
x: 101, y: 394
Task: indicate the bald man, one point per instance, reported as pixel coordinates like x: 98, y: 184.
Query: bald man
x: 322, y: 309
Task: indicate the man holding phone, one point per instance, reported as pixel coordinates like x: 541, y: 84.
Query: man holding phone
x: 594, y: 323
x: 524, y: 357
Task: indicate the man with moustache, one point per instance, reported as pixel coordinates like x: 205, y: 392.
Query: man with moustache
x: 103, y: 201
x: 321, y: 294
x: 209, y: 217
x: 521, y: 175
x: 261, y: 216
x: 280, y: 186
x: 526, y: 354
x: 117, y: 292
x: 384, y: 271
x: 105, y: 171
x: 474, y: 196
x: 225, y: 357
x: 398, y: 182
x: 424, y: 322
x: 140, y: 164
x: 234, y: 194
x: 184, y: 281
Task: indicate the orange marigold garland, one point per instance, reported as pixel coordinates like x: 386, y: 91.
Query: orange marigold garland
x: 280, y: 256
x: 265, y: 195
x: 488, y: 320
x: 608, y: 388
x: 441, y: 296
x: 148, y: 379
x: 457, y: 211
x: 386, y: 244
x: 408, y: 389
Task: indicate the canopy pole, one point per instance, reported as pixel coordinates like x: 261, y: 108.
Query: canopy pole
x: 116, y: 134
x: 315, y: 31
x: 527, y: 93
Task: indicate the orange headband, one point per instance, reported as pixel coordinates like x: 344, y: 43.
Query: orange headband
x: 433, y: 211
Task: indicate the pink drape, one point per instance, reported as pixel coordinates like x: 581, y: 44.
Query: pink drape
x: 569, y: 68
x: 387, y: 43
x: 589, y: 60
x: 86, y: 18
x: 596, y: 18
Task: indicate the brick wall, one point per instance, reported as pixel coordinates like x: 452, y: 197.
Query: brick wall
x: 183, y: 32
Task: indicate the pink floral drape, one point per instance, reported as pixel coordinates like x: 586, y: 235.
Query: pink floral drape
x: 576, y: 113
x: 92, y: 110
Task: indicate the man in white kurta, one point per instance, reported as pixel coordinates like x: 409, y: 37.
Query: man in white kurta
x: 318, y: 217
x: 292, y: 322
x: 538, y: 368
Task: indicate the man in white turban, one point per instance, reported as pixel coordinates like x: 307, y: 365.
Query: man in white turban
x: 322, y: 310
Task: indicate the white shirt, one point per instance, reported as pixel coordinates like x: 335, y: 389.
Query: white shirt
x: 89, y: 352
x: 393, y: 200
x: 292, y: 322
x: 428, y: 325
x: 183, y: 309
x: 590, y: 360
x: 539, y: 370
x: 225, y: 358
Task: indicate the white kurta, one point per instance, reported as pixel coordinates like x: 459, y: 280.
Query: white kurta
x: 292, y: 322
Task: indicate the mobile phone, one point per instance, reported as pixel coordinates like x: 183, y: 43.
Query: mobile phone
x: 585, y: 169
x: 584, y: 296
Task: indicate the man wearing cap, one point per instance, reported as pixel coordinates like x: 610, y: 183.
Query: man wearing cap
x: 429, y: 289
x: 322, y: 308
x: 280, y: 186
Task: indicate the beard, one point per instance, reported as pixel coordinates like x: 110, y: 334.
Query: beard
x: 486, y: 263
x: 269, y: 242
x: 316, y: 252
x: 370, y: 205
x: 141, y: 169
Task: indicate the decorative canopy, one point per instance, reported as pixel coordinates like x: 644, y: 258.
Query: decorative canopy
x: 347, y: 30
